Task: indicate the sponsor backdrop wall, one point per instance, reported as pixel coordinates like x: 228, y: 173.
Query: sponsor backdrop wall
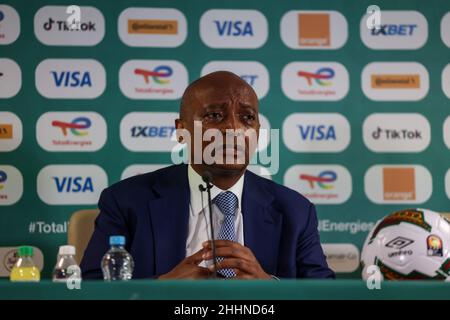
x: 363, y: 114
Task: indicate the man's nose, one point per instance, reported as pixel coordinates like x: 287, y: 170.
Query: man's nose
x: 232, y: 122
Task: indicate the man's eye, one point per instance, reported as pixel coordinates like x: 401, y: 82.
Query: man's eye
x: 248, y: 117
x: 213, y: 116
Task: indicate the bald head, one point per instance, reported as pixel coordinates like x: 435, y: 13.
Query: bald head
x: 217, y: 83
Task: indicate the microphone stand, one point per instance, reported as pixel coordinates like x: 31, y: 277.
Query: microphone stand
x: 207, y: 179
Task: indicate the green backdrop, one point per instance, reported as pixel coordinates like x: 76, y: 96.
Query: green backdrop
x: 29, y: 105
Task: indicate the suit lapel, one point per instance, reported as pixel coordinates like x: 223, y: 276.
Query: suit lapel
x: 169, y: 213
x: 262, y: 222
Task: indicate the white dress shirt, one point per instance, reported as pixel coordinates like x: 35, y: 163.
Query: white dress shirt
x: 199, y: 227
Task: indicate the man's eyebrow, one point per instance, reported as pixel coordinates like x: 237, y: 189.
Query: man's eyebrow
x: 215, y: 106
x: 247, y: 106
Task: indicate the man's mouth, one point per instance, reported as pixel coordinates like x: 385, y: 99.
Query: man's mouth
x: 231, y: 151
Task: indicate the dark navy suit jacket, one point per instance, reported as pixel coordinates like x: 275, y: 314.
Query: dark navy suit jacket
x: 152, y: 212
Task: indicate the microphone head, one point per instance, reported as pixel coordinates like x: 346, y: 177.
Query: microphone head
x: 207, y: 177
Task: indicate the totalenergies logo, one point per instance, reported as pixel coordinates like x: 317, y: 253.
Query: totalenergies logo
x: 323, y: 180
x: 3, y: 178
x: 76, y: 126
x: 159, y: 75
x: 319, y: 77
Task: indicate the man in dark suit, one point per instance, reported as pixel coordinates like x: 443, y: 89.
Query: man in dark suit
x: 263, y: 230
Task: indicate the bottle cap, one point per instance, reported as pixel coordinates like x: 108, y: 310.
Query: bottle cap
x: 69, y: 250
x: 116, y: 240
x: 25, y: 251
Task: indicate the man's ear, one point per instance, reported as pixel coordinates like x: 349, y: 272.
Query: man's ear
x: 180, y: 131
x: 179, y: 124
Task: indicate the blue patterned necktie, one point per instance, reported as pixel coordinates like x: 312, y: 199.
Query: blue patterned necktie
x: 227, y: 202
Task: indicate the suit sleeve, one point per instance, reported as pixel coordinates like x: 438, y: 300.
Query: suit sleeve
x: 311, y: 261
x: 110, y: 221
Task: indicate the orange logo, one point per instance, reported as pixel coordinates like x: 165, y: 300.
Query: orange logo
x: 395, y: 81
x: 153, y: 26
x: 6, y: 131
x: 399, y: 184
x: 314, y: 29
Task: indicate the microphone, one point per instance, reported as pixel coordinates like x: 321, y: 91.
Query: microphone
x: 207, y: 179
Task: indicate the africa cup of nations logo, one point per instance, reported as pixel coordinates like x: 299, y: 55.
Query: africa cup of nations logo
x: 156, y: 80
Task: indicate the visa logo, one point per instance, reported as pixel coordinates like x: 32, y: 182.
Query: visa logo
x: 394, y: 30
x: 320, y: 132
x: 73, y: 184
x: 152, y: 131
x: 234, y: 28
x: 72, y: 79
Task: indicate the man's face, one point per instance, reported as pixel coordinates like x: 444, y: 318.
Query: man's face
x: 230, y: 106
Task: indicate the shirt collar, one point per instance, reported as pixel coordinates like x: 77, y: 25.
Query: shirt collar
x: 196, y: 195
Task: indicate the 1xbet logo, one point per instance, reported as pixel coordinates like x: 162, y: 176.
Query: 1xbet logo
x: 395, y: 30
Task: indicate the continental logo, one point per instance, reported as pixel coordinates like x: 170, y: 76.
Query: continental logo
x: 10, y: 131
x: 395, y: 81
x: 6, y: 131
x: 412, y: 216
x: 152, y: 27
x: 163, y: 27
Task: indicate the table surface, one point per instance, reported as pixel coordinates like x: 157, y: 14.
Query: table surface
x: 226, y: 290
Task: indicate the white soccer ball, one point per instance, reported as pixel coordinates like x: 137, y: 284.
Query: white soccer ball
x: 412, y: 244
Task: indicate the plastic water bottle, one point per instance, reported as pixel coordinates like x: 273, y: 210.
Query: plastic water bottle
x: 25, y: 269
x: 66, y: 266
x: 117, y: 263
